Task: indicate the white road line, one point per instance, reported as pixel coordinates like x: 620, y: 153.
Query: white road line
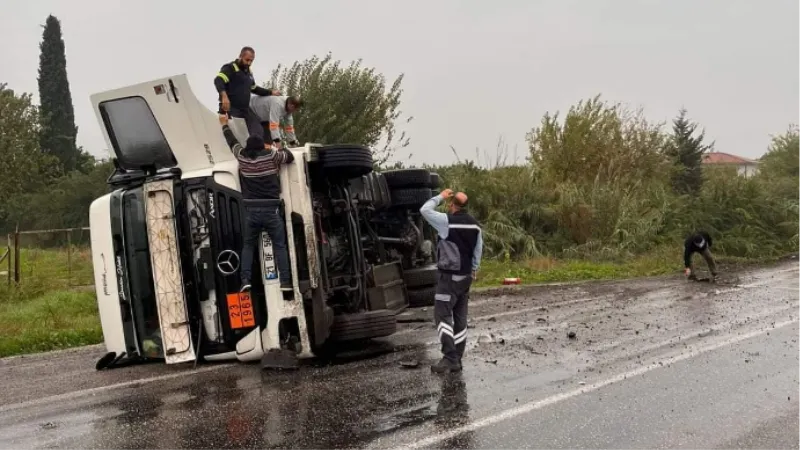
x: 534, y: 405
x: 97, y: 390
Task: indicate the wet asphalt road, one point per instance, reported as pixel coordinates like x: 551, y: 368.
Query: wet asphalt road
x: 655, y: 363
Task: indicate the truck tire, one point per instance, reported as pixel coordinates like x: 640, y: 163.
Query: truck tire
x: 421, y: 277
x: 434, y: 184
x: 421, y: 297
x: 383, y: 187
x: 407, y: 178
x: 414, y: 197
x: 365, y: 325
x: 379, y: 191
x: 345, y: 161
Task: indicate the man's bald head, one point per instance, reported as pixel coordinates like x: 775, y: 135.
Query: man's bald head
x: 458, y: 202
x: 460, y: 199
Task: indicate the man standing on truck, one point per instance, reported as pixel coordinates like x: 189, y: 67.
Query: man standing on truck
x: 271, y: 111
x: 699, y: 242
x: 235, y: 83
x: 261, y: 191
x: 458, y: 258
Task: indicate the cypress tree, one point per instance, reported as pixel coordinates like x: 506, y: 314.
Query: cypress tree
x: 58, y: 130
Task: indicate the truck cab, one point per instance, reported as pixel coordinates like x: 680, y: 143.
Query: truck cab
x: 166, y: 241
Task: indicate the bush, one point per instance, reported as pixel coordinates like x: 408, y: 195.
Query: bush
x: 598, y: 187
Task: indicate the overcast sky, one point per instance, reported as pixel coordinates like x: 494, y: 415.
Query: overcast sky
x: 475, y: 71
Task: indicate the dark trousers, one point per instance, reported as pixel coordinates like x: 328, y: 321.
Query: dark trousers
x: 712, y: 266
x: 265, y: 218
x: 450, y: 312
x: 251, y: 119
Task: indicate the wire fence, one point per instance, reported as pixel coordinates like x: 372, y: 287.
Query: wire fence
x: 58, y: 259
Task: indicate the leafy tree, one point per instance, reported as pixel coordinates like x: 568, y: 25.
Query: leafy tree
x: 686, y: 151
x: 58, y: 130
x: 64, y: 203
x: 779, y: 168
x: 783, y: 156
x: 344, y: 104
x: 597, y: 142
x: 23, y: 168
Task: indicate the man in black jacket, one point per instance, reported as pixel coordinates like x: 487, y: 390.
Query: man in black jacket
x: 699, y: 242
x: 261, y: 191
x: 235, y: 83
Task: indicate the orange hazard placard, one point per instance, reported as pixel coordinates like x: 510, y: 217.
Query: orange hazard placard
x: 240, y: 311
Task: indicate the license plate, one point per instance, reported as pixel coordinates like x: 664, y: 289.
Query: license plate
x: 268, y: 263
x: 240, y: 311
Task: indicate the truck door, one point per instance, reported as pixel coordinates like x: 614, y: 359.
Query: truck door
x: 160, y: 124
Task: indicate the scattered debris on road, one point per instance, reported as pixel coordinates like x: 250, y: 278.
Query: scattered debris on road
x: 409, y: 364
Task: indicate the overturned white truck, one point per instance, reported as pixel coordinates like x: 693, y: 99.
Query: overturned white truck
x: 166, y: 240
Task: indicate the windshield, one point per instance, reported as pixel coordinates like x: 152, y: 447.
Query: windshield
x: 135, y: 135
x: 140, y: 273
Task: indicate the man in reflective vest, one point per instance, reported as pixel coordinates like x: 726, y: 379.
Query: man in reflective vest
x: 271, y: 112
x: 458, y: 258
x: 235, y: 83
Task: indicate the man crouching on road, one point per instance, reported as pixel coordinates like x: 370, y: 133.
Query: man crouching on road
x: 458, y: 258
x: 699, y: 242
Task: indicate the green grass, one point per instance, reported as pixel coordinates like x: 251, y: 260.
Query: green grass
x: 48, y: 310
x: 54, y: 320
x: 662, y: 261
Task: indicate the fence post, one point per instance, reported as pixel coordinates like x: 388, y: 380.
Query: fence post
x: 16, y: 255
x: 69, y: 257
x: 8, y: 273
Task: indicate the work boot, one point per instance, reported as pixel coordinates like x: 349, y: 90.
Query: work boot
x: 445, y: 365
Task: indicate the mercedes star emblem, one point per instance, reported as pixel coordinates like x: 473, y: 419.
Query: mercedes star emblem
x: 227, y: 262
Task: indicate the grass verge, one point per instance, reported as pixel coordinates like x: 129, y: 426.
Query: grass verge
x: 662, y: 261
x: 51, y: 321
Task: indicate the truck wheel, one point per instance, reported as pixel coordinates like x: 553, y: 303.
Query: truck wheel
x: 434, y: 184
x: 415, y: 197
x: 407, y: 178
x: 421, y: 297
x: 381, y: 198
x: 383, y: 187
x: 422, y: 276
x: 366, y: 325
x: 345, y: 161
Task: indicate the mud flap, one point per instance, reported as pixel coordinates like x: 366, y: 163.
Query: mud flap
x: 167, y: 276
